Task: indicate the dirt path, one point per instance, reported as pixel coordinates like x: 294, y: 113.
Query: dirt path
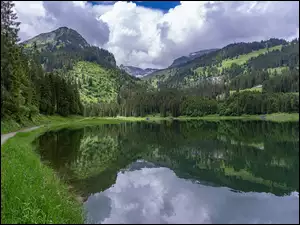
x: 5, y: 137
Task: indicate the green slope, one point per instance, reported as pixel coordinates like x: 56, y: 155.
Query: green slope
x: 64, y: 50
x: 242, y: 59
x: 99, y: 84
x: 95, y: 82
x: 221, y: 63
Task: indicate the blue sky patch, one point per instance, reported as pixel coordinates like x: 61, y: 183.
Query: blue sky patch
x: 160, y: 5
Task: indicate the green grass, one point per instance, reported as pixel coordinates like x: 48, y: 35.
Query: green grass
x: 281, y: 117
x: 11, y: 125
x: 257, y: 89
x: 30, y: 191
x: 8, y: 126
x: 242, y: 59
x: 277, y: 69
x: 275, y: 117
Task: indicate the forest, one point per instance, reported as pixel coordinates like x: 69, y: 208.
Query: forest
x: 26, y: 89
x: 37, y: 81
x: 176, y: 103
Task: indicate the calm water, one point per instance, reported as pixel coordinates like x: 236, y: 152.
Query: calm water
x: 181, y: 172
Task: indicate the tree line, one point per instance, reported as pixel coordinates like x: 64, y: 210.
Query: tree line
x: 174, y: 102
x: 26, y: 89
x: 288, y: 56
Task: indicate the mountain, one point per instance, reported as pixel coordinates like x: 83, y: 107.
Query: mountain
x: 184, y: 59
x: 239, y: 65
x: 64, y: 46
x: 94, y: 69
x: 62, y: 37
x: 136, y: 71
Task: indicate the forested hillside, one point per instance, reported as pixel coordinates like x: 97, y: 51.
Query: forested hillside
x: 234, y: 65
x: 26, y: 89
x: 265, y: 73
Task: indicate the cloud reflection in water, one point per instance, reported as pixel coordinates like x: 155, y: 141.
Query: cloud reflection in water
x: 157, y: 195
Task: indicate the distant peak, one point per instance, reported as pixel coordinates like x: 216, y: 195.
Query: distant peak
x: 63, y: 28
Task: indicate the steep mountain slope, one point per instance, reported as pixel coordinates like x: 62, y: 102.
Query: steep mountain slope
x: 184, y: 59
x: 229, y: 63
x: 64, y: 46
x: 98, y: 84
x: 94, y: 70
x: 61, y: 37
x: 136, y: 71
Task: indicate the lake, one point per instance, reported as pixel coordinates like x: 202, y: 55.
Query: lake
x: 180, y: 172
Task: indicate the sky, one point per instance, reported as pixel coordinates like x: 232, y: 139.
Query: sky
x: 153, y: 34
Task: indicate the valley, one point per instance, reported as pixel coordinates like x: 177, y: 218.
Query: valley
x: 87, y: 139
x: 270, y: 67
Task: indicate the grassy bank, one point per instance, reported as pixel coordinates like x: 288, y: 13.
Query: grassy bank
x: 10, y: 125
x: 274, y: 117
x: 30, y: 191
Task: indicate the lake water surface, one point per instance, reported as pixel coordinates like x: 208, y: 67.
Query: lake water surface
x: 180, y: 172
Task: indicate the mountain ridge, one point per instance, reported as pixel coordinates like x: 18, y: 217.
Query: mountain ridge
x: 227, y: 63
x: 66, y: 44
x: 184, y: 59
x: 136, y: 71
x: 61, y: 35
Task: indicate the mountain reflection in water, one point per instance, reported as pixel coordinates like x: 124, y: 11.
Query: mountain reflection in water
x: 181, y: 172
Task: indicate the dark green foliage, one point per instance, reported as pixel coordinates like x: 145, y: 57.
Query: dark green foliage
x: 249, y: 79
x: 9, y: 25
x: 194, y: 103
x: 197, y: 106
x: 25, y: 89
x: 287, y: 81
x: 259, y: 103
x: 59, y: 96
x: 288, y: 56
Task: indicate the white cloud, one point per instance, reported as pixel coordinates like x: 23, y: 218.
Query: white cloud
x: 146, y: 37
x: 157, y: 195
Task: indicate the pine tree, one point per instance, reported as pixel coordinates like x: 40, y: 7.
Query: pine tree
x: 9, y: 25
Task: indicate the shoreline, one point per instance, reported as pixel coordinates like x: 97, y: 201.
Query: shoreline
x: 8, y: 126
x: 32, y: 192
